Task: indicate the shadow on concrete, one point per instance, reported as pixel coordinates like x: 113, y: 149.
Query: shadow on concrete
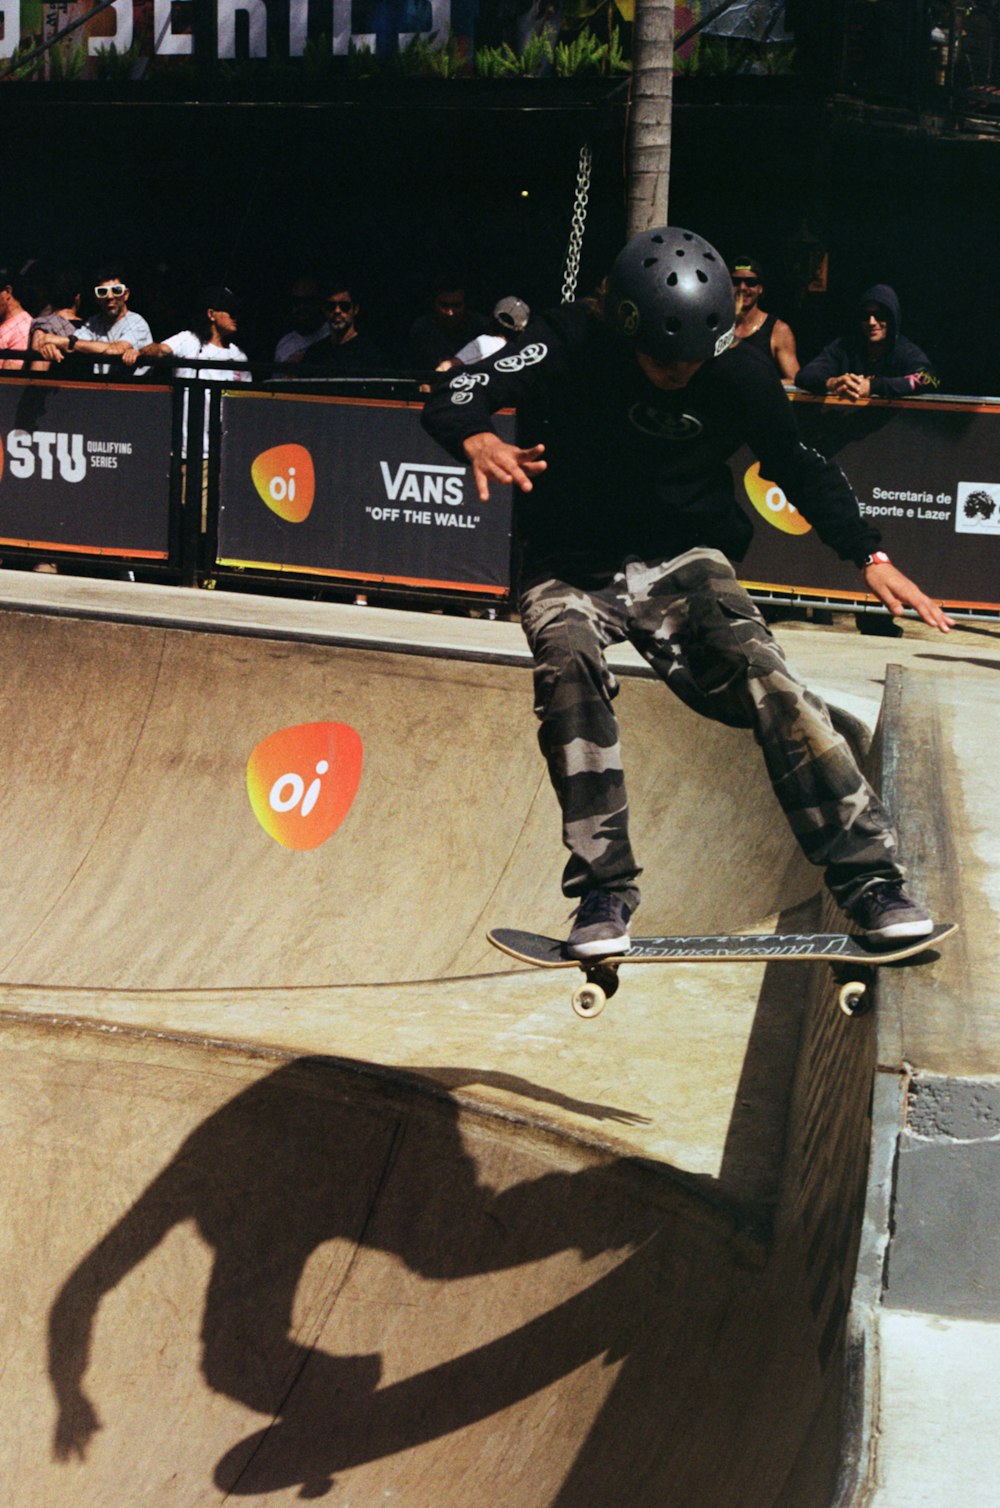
x: 320, y: 1150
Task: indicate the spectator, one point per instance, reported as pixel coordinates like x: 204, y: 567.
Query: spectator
x: 448, y: 326
x: 210, y: 340
x: 114, y: 320
x: 15, y: 321
x: 56, y: 334
x: 510, y: 318
x: 755, y: 328
x: 308, y: 324
x: 345, y: 352
x: 872, y: 360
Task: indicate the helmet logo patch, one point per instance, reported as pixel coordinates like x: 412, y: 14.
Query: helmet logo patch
x: 724, y: 342
x: 628, y: 317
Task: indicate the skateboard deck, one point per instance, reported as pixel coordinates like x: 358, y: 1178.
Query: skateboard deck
x: 734, y: 947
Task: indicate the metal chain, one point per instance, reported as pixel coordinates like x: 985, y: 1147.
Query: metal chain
x: 575, y: 247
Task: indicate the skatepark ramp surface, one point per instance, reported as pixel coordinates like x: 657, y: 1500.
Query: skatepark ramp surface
x: 311, y: 1193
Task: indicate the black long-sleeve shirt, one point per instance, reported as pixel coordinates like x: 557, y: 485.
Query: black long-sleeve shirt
x: 634, y: 471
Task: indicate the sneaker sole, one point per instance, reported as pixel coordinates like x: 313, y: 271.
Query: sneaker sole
x: 901, y: 930
x: 601, y: 947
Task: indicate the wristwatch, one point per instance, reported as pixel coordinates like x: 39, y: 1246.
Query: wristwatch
x: 877, y: 557
x: 71, y: 341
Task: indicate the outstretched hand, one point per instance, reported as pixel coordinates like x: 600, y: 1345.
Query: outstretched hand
x: 75, y: 1428
x: 897, y: 592
x: 495, y: 460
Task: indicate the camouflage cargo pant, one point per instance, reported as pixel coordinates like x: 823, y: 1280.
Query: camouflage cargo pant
x: 702, y: 634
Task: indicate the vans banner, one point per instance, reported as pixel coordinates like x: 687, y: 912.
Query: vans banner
x: 85, y: 469
x: 926, y: 472
x: 354, y: 488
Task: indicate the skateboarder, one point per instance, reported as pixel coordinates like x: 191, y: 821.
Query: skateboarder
x: 628, y: 408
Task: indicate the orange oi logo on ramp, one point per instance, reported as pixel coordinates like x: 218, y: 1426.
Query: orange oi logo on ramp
x: 301, y: 782
x: 286, y: 481
x: 772, y: 504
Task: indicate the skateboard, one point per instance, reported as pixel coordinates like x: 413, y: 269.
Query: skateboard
x: 854, y: 959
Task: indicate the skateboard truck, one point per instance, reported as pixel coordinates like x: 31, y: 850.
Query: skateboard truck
x: 602, y: 981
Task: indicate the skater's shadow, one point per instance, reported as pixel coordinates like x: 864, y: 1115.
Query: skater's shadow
x: 320, y: 1150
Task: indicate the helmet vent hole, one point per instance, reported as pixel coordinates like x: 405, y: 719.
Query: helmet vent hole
x: 672, y: 326
x: 709, y: 256
x: 650, y: 261
x: 672, y: 280
x: 688, y: 236
x: 701, y: 276
x: 657, y: 240
x: 712, y: 321
x: 680, y: 251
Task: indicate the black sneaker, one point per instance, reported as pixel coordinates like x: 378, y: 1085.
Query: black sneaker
x: 885, y: 913
x: 601, y: 926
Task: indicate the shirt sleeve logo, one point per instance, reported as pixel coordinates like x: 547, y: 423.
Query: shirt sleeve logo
x: 463, y: 386
x: 530, y: 356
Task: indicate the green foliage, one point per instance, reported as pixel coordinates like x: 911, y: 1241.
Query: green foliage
x: 423, y: 57
x: 725, y: 57
x: 114, y: 66
x: 35, y: 70
x: 585, y: 54
x: 504, y: 63
x: 67, y: 60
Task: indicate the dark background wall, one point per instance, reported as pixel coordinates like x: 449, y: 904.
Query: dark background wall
x: 397, y: 191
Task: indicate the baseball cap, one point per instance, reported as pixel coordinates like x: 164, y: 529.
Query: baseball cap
x: 745, y: 265
x: 512, y: 314
x: 219, y: 297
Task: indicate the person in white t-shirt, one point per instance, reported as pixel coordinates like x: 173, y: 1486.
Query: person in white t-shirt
x: 207, y: 345
x: 510, y: 319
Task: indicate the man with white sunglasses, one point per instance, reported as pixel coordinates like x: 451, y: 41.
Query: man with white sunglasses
x: 114, y: 320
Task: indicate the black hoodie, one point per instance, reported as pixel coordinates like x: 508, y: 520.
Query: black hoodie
x: 899, y: 371
x: 634, y: 471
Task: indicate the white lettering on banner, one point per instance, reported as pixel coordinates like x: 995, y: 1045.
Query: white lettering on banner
x: 10, y: 27
x: 46, y: 448
x: 168, y: 43
x: 413, y: 516
x: 415, y: 483
x: 256, y: 11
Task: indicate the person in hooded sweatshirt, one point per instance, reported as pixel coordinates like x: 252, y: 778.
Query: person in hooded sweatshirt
x: 873, y: 360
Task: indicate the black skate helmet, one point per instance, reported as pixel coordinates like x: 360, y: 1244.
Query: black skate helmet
x: 670, y: 294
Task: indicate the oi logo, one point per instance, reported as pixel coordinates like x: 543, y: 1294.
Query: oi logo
x: 286, y: 481
x: 772, y: 504
x: 301, y: 782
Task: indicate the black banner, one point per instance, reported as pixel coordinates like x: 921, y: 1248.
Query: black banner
x: 351, y: 487
x: 85, y: 468
x: 926, y: 471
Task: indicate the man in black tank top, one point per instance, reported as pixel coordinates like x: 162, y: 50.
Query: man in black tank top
x: 753, y: 326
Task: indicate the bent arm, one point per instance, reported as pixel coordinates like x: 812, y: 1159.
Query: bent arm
x: 783, y: 350
x: 816, y: 374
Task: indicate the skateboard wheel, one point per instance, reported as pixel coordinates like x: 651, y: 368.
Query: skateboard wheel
x: 589, y: 1001
x: 852, y: 997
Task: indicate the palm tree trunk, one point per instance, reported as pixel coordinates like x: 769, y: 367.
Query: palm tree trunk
x: 651, y: 107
